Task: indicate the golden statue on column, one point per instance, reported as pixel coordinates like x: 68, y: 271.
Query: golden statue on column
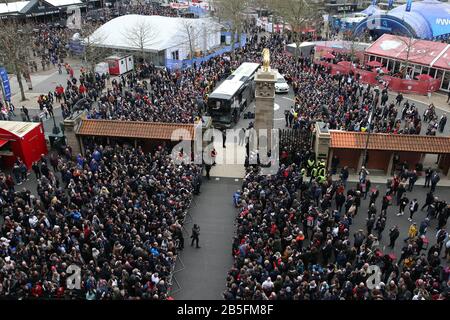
x: 266, y: 59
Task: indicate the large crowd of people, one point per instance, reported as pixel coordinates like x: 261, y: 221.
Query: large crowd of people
x: 295, y: 240
x: 117, y: 213
x: 159, y: 95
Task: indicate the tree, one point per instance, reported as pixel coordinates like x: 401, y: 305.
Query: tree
x: 299, y: 14
x: 15, y: 41
x: 230, y: 11
x: 409, y: 43
x: 94, y: 52
x: 259, y: 5
x: 140, y: 36
x: 354, y: 42
x: 190, y: 34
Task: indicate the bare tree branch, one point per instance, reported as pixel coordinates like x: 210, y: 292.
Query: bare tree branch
x: 15, y: 41
x: 92, y: 42
x: 299, y: 14
x: 140, y: 36
x: 410, y: 43
x: 231, y: 11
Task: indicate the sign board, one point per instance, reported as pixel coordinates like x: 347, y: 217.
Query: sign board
x: 408, y: 6
x: 5, y: 83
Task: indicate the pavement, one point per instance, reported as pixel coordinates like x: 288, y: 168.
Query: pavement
x: 235, y: 153
x: 438, y: 99
x: 200, y: 274
x: 43, y: 82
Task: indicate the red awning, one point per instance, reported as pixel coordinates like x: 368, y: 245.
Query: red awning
x: 3, y: 142
x: 374, y: 64
x: 420, y: 51
x: 424, y: 77
x: 328, y: 56
x: 347, y: 64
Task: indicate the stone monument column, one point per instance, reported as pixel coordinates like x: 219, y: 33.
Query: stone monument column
x: 264, y: 100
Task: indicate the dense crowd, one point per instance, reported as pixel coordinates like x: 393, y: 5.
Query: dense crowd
x: 157, y: 94
x: 116, y: 213
x: 346, y: 104
x: 107, y: 13
x: 295, y: 242
x: 160, y: 95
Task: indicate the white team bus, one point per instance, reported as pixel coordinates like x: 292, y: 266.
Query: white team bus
x: 232, y: 96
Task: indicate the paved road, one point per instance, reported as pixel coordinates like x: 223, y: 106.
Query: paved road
x: 203, y: 271
x: 43, y: 82
x: 402, y: 221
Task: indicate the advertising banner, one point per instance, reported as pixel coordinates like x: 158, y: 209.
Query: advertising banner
x: 5, y: 83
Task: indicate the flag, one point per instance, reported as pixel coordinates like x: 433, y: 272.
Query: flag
x: 390, y: 4
x: 408, y: 5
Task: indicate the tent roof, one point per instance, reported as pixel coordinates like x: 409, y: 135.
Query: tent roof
x: 14, y: 7
x: 18, y: 128
x: 164, y: 32
x: 421, y: 51
x: 373, y: 9
x: 428, y: 18
x: 303, y: 44
x: 342, y: 45
x: 444, y: 60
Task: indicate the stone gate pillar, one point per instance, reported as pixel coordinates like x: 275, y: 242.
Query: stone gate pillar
x: 71, y: 126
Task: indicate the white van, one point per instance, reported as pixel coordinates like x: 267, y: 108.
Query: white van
x: 281, y: 86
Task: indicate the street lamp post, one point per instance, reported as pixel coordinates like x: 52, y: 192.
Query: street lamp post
x: 55, y: 130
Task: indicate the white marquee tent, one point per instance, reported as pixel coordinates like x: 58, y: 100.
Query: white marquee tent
x: 164, y: 37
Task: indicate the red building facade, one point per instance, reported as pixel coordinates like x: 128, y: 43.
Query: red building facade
x: 25, y: 140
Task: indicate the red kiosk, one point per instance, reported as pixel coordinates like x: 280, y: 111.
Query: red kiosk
x: 119, y: 64
x: 21, y: 139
